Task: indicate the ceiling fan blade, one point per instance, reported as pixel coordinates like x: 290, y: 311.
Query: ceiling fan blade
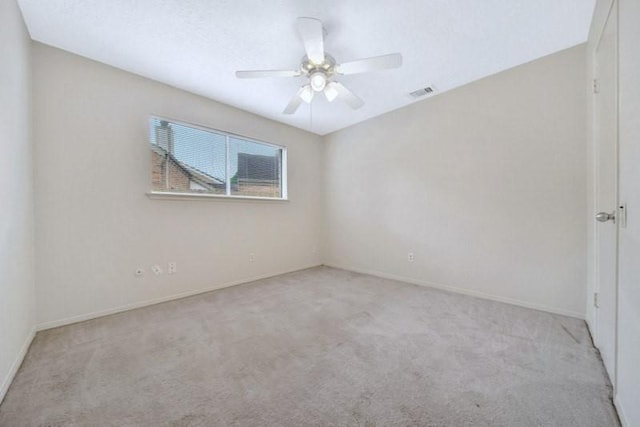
x: 347, y: 96
x: 255, y: 74
x: 310, y: 30
x: 304, y: 94
x: 375, y: 63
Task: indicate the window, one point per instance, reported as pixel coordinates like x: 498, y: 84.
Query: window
x: 189, y: 159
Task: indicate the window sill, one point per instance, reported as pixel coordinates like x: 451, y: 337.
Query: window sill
x: 161, y: 195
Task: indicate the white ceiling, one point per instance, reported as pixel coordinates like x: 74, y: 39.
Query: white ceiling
x: 197, y: 45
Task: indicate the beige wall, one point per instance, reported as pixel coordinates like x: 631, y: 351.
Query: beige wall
x: 96, y: 225
x: 17, y: 300
x: 484, y: 184
x: 509, y: 150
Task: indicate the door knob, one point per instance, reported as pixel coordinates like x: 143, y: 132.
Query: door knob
x: 604, y: 217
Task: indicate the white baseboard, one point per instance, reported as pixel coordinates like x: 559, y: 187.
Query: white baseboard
x: 6, y: 382
x: 88, y: 316
x: 463, y: 291
x: 621, y: 416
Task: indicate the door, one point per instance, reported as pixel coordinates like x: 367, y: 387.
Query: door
x: 606, y: 151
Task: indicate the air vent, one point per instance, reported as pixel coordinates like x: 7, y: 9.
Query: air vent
x: 429, y: 90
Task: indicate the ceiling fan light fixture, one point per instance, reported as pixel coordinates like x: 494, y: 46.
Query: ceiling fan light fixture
x: 306, y: 94
x: 330, y: 91
x: 321, y: 69
x: 318, y: 81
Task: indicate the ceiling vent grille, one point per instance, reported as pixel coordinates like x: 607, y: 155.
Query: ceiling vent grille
x: 425, y: 91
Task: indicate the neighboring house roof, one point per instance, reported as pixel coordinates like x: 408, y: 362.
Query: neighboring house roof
x: 255, y: 167
x: 194, y: 174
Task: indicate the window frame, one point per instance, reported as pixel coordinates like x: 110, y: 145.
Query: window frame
x: 284, y: 195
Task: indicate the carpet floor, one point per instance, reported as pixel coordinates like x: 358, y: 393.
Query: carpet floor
x: 319, y: 347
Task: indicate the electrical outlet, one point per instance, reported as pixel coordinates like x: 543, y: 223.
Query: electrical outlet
x: 157, y: 270
x: 410, y: 257
x: 173, y: 268
x: 252, y: 257
x: 139, y: 271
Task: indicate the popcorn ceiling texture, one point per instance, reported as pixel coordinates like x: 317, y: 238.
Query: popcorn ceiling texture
x: 321, y: 347
x: 197, y: 45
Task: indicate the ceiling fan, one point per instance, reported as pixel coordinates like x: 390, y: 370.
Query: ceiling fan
x: 322, y: 69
